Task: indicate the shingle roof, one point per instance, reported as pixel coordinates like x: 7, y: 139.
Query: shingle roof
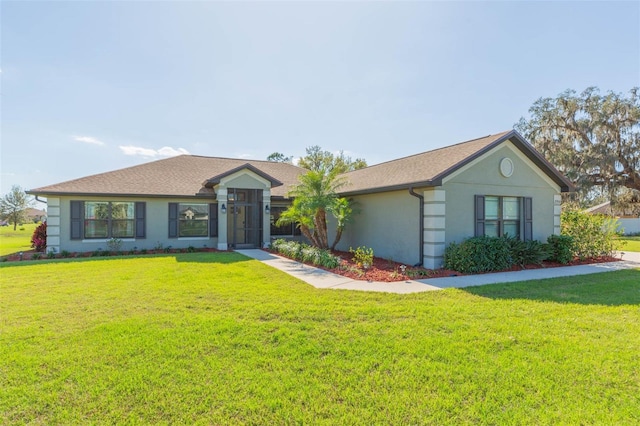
x: 183, y: 175
x: 429, y: 168
x: 190, y: 175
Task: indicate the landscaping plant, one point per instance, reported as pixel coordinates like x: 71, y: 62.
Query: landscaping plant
x: 39, y: 238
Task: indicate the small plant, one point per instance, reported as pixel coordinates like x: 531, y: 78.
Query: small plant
x: 4, y: 259
x: 36, y: 256
x: 96, y: 253
x: 39, y: 237
x: 144, y: 251
x: 65, y: 254
x: 158, y: 246
x: 51, y: 254
x: 191, y: 249
x: 114, y: 244
x: 362, y: 256
x: 167, y: 249
x: 22, y: 228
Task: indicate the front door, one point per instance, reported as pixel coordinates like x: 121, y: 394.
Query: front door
x: 244, y: 221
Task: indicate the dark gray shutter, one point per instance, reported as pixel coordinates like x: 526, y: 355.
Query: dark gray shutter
x: 173, y: 220
x: 77, y: 219
x: 479, y: 215
x: 213, y: 220
x: 141, y: 217
x: 528, y: 218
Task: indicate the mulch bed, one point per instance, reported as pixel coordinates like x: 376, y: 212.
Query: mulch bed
x: 384, y: 270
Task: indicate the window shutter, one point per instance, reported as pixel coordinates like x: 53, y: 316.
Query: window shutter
x: 528, y: 218
x: 77, y: 219
x: 141, y: 217
x: 213, y: 220
x: 173, y: 220
x: 479, y: 215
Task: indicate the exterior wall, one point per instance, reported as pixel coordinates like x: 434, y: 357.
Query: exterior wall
x: 629, y: 225
x: 484, y: 178
x: 389, y: 223
x: 157, y: 226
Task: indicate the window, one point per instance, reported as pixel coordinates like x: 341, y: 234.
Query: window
x: 290, y: 229
x: 193, y: 220
x: 498, y: 216
x: 107, y: 219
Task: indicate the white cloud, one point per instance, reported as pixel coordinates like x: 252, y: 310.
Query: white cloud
x: 165, y: 151
x: 88, y: 139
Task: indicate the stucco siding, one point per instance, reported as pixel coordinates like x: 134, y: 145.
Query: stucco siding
x: 389, y: 223
x: 526, y: 181
x: 157, y: 226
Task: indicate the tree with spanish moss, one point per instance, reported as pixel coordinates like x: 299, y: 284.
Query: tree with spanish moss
x: 593, y: 139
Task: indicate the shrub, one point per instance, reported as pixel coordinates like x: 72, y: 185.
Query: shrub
x: 114, y: 244
x: 478, y: 254
x: 527, y: 252
x: 51, y: 254
x: 561, y: 248
x: 65, y: 253
x: 36, y: 256
x: 39, y: 237
x: 305, y: 253
x: 363, y: 256
x: 593, y: 235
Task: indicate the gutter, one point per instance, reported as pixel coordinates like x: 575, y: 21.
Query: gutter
x: 421, y: 221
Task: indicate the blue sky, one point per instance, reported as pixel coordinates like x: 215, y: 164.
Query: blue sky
x: 88, y: 87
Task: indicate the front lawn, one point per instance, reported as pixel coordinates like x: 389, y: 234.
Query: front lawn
x: 217, y: 338
x: 16, y: 241
x: 631, y: 243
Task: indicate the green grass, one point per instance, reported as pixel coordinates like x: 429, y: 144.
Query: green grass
x: 15, y: 241
x: 215, y: 338
x: 631, y: 243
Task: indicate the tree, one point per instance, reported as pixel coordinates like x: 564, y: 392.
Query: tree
x: 593, y: 139
x: 14, y: 205
x: 319, y: 160
x: 279, y: 157
x: 314, y: 197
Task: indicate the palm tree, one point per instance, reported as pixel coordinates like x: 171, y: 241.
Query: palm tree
x: 314, y: 196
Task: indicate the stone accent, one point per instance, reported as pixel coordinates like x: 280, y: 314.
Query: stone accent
x: 53, y: 225
x: 434, y: 228
x: 557, y: 209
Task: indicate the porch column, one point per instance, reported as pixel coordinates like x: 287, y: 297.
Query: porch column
x: 434, y: 228
x: 53, y: 225
x: 222, y: 218
x: 557, y: 210
x: 266, y: 218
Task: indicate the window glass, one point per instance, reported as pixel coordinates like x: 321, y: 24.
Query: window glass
x: 491, y: 208
x: 512, y: 229
x: 511, y: 208
x: 276, y: 211
x: 491, y: 229
x: 96, y: 223
x: 193, y: 220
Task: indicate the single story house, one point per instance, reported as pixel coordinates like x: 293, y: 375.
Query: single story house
x: 410, y: 208
x: 628, y: 219
x: 36, y: 215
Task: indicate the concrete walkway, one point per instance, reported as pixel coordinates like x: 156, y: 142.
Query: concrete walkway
x: 320, y: 278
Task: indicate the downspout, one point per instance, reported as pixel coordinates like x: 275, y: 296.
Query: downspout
x: 37, y: 199
x: 421, y: 221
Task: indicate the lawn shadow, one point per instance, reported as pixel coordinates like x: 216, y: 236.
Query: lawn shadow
x: 609, y: 289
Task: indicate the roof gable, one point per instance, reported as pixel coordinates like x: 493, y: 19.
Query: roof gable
x: 431, y: 167
x: 210, y: 183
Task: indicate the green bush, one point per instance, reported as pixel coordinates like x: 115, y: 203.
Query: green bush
x: 362, y: 256
x: 306, y: 253
x: 561, y: 248
x: 527, y: 252
x: 478, y: 254
x: 593, y: 235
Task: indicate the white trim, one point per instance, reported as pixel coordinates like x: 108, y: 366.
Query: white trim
x: 104, y: 240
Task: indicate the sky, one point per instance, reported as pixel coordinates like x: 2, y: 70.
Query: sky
x: 92, y: 86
